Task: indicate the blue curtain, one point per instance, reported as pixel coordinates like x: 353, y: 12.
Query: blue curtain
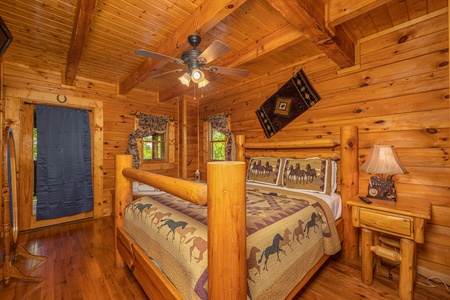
x: 63, y: 166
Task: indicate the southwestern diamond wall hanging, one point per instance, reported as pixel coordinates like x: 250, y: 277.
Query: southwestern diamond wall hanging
x: 291, y: 100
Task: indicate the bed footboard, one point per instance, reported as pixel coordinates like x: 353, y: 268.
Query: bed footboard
x: 227, y: 265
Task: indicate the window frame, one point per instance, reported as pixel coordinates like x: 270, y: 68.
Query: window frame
x: 207, y: 133
x: 212, y: 142
x: 154, y: 147
x: 166, y: 163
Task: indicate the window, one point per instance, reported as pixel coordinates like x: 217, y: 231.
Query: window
x: 154, y: 147
x: 219, y: 140
x: 217, y: 145
x: 153, y: 141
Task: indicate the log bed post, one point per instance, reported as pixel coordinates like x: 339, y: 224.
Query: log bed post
x: 349, y: 188
x: 123, y: 196
x: 227, y: 265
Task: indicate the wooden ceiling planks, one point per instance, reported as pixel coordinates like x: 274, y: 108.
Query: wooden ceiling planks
x: 260, y: 36
x: 341, y: 11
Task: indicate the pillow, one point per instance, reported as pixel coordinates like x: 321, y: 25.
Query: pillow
x: 146, y: 188
x: 333, y: 176
x: 308, y: 174
x: 265, y: 170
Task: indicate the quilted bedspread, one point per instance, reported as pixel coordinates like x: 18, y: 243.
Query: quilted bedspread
x: 286, y: 236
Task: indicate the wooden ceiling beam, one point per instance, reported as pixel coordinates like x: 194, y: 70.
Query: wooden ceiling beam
x: 284, y: 37
x: 278, y: 40
x: 84, y: 14
x: 206, y: 16
x: 309, y: 17
x: 341, y: 11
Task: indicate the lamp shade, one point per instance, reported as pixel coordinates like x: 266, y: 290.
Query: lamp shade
x: 203, y: 83
x: 185, y: 79
x: 383, y: 160
x: 197, y: 76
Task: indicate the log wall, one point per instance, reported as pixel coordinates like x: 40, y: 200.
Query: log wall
x: 398, y: 94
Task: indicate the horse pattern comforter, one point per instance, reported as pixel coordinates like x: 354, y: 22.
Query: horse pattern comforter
x: 286, y: 236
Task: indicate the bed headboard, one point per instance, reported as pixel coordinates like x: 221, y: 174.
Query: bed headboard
x: 345, y: 150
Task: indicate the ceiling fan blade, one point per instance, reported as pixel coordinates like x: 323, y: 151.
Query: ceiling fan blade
x: 229, y: 71
x: 154, y: 55
x: 216, y: 49
x: 166, y: 73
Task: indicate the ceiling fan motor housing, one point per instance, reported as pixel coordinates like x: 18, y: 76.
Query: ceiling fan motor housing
x: 190, y: 56
x: 190, y: 59
x: 194, y: 40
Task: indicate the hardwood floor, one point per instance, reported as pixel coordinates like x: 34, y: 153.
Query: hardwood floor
x: 340, y: 280
x: 81, y: 266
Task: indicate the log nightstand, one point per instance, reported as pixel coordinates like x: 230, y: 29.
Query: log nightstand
x: 402, y: 219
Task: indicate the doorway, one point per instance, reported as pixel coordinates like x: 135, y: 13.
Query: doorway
x: 27, y: 167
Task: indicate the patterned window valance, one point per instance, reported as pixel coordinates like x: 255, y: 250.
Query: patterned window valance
x: 147, y: 125
x: 220, y: 123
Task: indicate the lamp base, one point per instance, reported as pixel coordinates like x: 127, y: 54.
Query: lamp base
x: 382, y: 188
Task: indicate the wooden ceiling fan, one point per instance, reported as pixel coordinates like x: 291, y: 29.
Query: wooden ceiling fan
x: 195, y: 61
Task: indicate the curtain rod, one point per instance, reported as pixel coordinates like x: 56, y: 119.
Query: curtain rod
x: 31, y: 103
x: 227, y: 114
x: 171, y: 118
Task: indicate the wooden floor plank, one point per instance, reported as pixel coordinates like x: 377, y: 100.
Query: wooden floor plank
x: 81, y: 266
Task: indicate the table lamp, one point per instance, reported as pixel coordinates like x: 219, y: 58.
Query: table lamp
x: 382, y: 161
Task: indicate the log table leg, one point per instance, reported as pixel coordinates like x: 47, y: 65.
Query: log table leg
x: 407, y: 269
x: 366, y: 256
x: 376, y: 242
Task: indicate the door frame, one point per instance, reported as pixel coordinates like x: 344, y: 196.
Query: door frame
x: 16, y: 113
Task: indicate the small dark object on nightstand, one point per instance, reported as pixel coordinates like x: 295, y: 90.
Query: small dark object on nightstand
x: 365, y: 200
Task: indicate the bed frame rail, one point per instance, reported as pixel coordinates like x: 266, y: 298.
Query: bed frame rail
x: 187, y: 190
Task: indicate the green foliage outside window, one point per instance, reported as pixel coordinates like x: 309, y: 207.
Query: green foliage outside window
x: 154, y: 146
x: 34, y: 144
x: 218, y: 141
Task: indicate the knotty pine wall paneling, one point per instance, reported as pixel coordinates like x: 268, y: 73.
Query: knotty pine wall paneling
x: 398, y: 94
x: 118, y: 112
x: 189, y: 110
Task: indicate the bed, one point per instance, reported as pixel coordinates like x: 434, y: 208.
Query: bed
x: 229, y: 268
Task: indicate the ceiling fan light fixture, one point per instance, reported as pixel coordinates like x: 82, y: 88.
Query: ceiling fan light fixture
x: 197, y: 76
x: 185, y: 79
x: 203, y: 83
